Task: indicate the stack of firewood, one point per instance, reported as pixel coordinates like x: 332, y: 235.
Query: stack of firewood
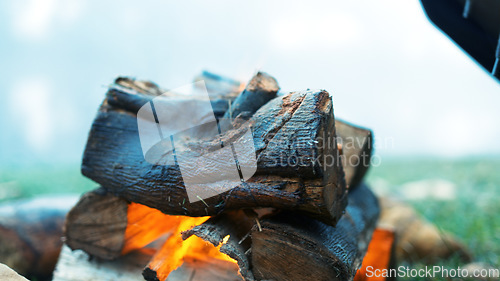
x: 289, y: 221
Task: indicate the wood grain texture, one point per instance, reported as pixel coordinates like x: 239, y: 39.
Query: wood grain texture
x: 31, y: 233
x: 293, y: 247
x: 97, y: 224
x: 357, y: 146
x: 296, y: 126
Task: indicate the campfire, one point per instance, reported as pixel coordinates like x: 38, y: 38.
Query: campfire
x: 312, y: 221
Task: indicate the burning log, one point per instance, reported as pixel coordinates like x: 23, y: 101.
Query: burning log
x: 294, y: 247
x: 31, y: 232
x: 356, y: 144
x: 299, y: 127
x: 216, y: 239
x: 97, y: 225
x: 107, y: 227
x: 260, y: 90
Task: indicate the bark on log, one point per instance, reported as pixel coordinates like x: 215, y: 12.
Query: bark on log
x: 261, y: 89
x: 236, y: 225
x: 297, y: 126
x: 293, y: 247
x: 357, y: 145
x: 31, y: 234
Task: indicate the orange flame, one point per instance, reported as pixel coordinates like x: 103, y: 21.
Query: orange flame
x: 175, y: 251
x: 146, y: 225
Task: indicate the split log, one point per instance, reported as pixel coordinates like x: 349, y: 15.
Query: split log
x: 297, y: 160
x: 261, y: 89
x: 293, y: 247
x: 357, y: 145
x: 418, y: 240
x: 107, y: 227
x: 31, y: 234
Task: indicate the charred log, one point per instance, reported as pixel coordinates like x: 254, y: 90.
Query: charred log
x: 293, y: 247
x: 357, y: 145
x: 260, y: 90
x: 299, y: 127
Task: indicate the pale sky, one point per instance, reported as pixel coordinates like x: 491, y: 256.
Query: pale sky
x: 384, y: 63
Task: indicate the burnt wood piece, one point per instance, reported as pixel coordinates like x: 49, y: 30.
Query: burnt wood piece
x: 226, y: 232
x: 235, y: 224
x: 293, y: 247
x: 261, y: 89
x: 298, y: 166
x: 31, y: 234
x: 107, y: 227
x: 357, y: 146
x: 97, y: 225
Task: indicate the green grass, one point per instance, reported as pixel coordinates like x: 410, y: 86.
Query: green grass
x: 473, y: 216
x: 41, y: 180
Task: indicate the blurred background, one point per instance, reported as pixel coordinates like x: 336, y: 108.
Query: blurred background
x: 433, y: 110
